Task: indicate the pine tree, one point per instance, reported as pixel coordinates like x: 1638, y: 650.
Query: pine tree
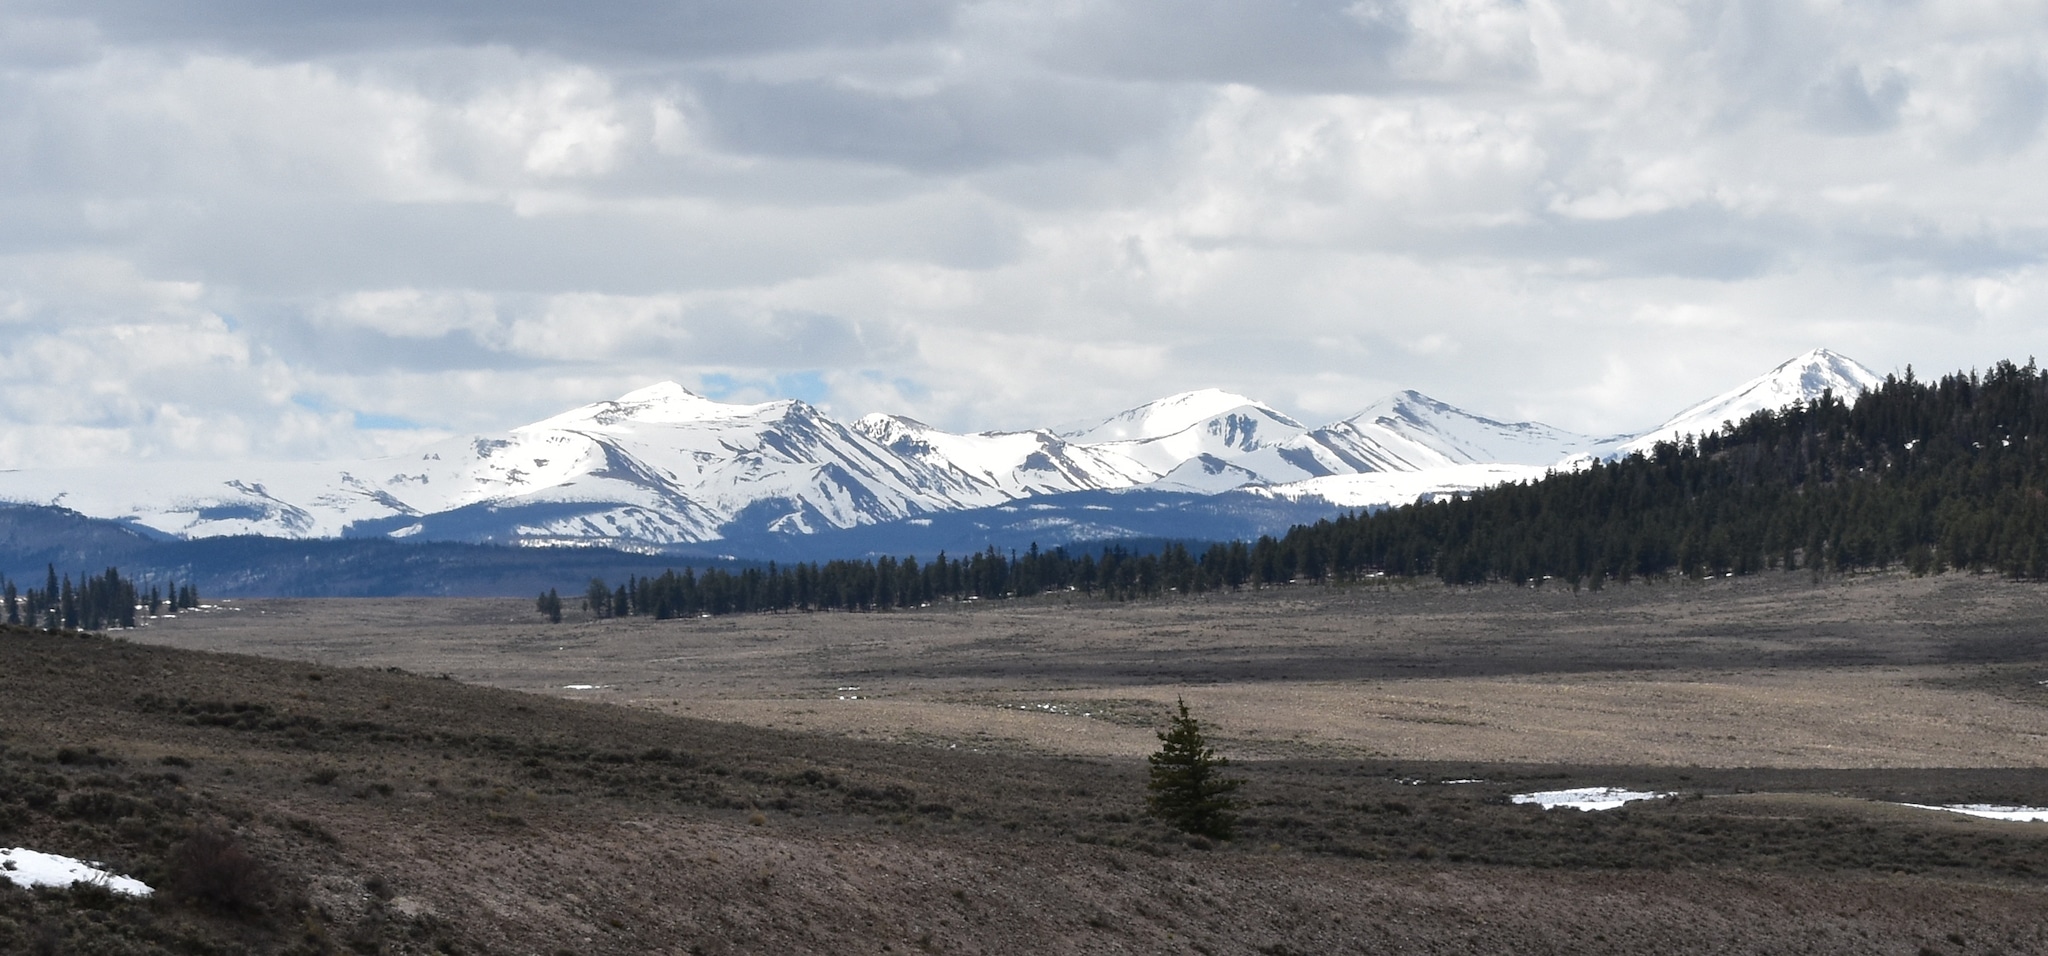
x: 1188, y: 792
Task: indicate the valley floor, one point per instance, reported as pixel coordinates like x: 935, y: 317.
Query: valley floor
x: 1773, y: 670
x: 968, y: 779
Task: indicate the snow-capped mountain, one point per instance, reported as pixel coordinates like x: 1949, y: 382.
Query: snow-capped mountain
x: 1801, y: 379
x: 1409, y: 431
x: 1166, y: 434
x: 662, y: 467
x: 658, y: 466
x: 1012, y: 464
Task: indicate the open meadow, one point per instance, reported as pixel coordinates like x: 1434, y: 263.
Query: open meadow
x: 970, y: 778
x: 1767, y: 671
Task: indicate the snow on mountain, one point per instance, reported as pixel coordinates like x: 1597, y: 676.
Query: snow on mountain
x: 662, y: 466
x: 1411, y: 419
x: 1164, y: 435
x: 657, y: 466
x: 1409, y: 431
x: 1013, y: 464
x: 209, y: 499
x: 1208, y: 439
x: 1170, y: 416
x: 1801, y: 379
x: 1207, y: 475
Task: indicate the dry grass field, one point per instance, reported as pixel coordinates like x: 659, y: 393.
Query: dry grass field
x: 1771, y: 671
x: 968, y: 779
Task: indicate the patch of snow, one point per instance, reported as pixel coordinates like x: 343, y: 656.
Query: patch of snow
x: 26, y: 868
x: 1585, y: 798
x: 1989, y: 811
x: 584, y: 686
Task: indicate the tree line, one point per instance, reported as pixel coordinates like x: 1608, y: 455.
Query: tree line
x: 1115, y: 573
x: 96, y: 602
x: 1929, y: 476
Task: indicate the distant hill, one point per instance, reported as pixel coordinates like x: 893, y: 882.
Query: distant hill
x: 34, y: 538
x: 1928, y: 475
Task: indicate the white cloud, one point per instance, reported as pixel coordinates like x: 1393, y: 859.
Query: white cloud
x: 228, y: 232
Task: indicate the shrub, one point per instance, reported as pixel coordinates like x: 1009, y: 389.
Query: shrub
x: 1188, y: 793
x: 211, y: 868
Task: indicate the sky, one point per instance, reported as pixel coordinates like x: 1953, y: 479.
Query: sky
x: 240, y: 229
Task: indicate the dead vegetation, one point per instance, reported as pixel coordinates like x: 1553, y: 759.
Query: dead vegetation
x: 296, y: 807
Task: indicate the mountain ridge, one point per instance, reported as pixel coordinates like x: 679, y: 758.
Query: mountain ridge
x: 661, y: 467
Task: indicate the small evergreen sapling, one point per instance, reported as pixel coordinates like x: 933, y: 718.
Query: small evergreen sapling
x: 1188, y: 791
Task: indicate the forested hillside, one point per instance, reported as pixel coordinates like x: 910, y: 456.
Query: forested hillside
x: 1929, y: 475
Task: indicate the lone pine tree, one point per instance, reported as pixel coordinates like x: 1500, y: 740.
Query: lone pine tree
x: 1188, y: 791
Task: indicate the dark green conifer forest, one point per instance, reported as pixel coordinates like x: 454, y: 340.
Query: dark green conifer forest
x: 96, y: 602
x: 1929, y: 476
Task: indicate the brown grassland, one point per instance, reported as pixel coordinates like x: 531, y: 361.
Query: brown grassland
x: 461, y: 776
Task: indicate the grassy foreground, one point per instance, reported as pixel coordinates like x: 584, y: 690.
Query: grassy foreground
x: 291, y: 808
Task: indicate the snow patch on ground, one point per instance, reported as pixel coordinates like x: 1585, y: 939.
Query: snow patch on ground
x: 27, y: 868
x: 1585, y: 798
x: 1989, y: 811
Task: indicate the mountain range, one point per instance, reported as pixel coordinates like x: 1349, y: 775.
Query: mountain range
x: 661, y: 469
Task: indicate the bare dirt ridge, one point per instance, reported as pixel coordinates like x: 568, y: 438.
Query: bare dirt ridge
x: 969, y: 779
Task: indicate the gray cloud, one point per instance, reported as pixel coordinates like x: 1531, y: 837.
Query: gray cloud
x: 649, y: 29
x: 2013, y: 103
x: 1849, y: 102
x: 957, y: 128
x: 1289, y: 44
x: 282, y: 247
x: 989, y: 215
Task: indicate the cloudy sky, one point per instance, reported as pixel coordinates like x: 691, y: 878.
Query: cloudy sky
x: 234, y: 228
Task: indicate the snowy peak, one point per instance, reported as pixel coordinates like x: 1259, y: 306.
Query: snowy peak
x: 660, y: 392
x: 1409, y: 431
x: 661, y: 465
x: 1462, y: 437
x: 890, y: 429
x: 1009, y: 464
x: 664, y: 403
x: 669, y: 405
x: 1176, y: 414
x: 1801, y: 379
